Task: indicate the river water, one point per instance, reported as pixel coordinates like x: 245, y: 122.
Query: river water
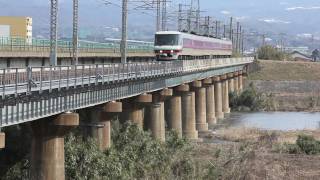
x: 284, y: 121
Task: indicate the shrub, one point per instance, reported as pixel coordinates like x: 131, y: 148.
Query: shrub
x: 287, y: 148
x: 304, y: 144
x: 308, y: 144
x: 271, y: 53
x: 249, y: 99
x: 134, y: 155
x: 83, y: 158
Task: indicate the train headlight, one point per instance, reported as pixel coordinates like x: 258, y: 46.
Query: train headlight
x: 161, y: 51
x: 171, y: 51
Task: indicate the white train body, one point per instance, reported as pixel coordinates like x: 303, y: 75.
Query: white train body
x: 174, y: 45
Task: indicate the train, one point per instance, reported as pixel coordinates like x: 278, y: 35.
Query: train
x: 175, y: 45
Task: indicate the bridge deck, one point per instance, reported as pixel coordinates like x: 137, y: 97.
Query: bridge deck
x: 38, y: 92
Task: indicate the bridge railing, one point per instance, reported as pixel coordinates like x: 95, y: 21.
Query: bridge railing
x: 14, y: 81
x: 32, y: 93
x: 18, y: 44
x: 209, y: 63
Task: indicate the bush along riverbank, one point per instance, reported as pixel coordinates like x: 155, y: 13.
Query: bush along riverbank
x: 245, y: 154
x: 251, y: 100
x: 133, y: 155
x: 136, y: 155
x: 305, y: 144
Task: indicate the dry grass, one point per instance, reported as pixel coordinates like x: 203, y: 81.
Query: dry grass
x: 237, y: 134
x: 291, y: 136
x: 286, y: 71
x: 258, y: 160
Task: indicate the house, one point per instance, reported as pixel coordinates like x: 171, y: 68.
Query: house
x: 298, y: 56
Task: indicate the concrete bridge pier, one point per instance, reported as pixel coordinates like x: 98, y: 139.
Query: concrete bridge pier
x: 2, y: 140
x: 109, y: 112
x: 157, y: 114
x: 218, y: 98
x: 230, y: 82
x: 188, y: 112
x: 240, y: 81
x: 244, y: 78
x: 174, y: 114
x: 103, y: 115
x: 236, y: 82
x: 47, y: 149
x: 136, y: 108
x: 210, y: 105
x: 225, y: 93
x: 201, y: 106
x: 155, y: 122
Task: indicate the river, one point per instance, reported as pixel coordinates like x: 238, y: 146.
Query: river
x: 284, y: 121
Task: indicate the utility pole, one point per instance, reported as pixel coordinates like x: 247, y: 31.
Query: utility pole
x: 232, y: 40
x: 164, y: 15
x: 207, y: 26
x: 240, y: 36
x: 282, y: 41
x: 219, y: 29
x: 189, y: 20
x: 180, y: 18
x: 237, y: 37
x: 242, y: 42
x: 216, y: 33
x: 158, y: 7
x: 53, y: 32
x: 198, y: 17
x: 123, y: 46
x: 224, y: 31
x: 263, y: 39
x: 231, y: 27
x: 75, y: 32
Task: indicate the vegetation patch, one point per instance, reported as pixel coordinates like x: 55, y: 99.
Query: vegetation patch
x: 133, y: 155
x: 305, y: 144
x: 271, y: 53
x: 251, y: 100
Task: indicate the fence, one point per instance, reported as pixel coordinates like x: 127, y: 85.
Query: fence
x: 18, y: 44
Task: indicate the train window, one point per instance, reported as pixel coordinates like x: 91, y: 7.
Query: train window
x: 166, y: 39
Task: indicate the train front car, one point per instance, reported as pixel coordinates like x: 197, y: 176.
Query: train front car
x: 168, y: 45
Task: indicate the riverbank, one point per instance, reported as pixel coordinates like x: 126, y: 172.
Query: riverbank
x: 286, y: 71
x: 252, y: 154
x: 293, y: 86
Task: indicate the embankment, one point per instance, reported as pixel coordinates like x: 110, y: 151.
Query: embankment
x: 294, y: 86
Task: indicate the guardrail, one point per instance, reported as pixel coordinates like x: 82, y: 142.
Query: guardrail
x: 27, y: 80
x: 18, y: 44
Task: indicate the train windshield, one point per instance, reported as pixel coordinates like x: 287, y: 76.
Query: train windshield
x: 167, y: 39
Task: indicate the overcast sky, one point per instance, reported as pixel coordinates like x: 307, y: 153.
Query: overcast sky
x: 284, y: 14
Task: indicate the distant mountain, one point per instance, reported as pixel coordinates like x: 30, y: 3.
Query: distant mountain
x: 293, y: 16
x: 290, y: 16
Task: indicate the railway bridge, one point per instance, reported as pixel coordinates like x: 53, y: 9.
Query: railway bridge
x: 185, y: 96
x: 17, y: 52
